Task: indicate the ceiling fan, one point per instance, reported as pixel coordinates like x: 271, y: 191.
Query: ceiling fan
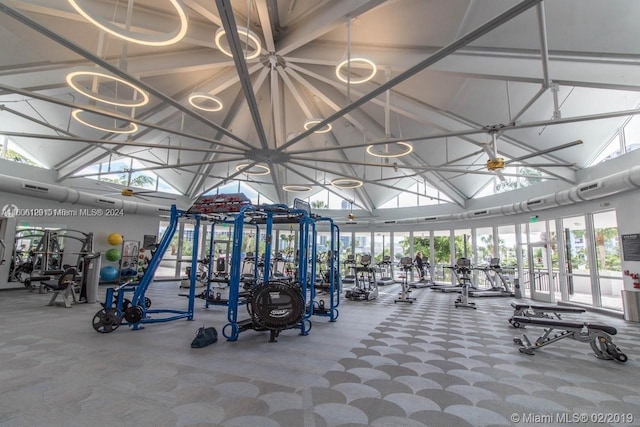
x: 496, y: 163
x: 129, y: 192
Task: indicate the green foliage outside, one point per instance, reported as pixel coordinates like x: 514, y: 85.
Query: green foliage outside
x: 533, y: 177
x: 442, y: 249
x: 19, y: 158
x: 139, y: 181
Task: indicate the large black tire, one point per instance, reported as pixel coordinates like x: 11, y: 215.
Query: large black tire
x: 277, y: 306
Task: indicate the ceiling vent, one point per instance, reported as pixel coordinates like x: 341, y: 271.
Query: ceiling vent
x: 37, y: 188
x: 590, y: 187
x: 534, y: 202
x: 105, y: 202
x: 164, y: 210
x: 431, y: 218
x: 478, y: 213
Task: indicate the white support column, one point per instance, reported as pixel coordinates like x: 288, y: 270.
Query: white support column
x: 452, y: 251
x: 561, y: 245
x: 519, y: 262
x: 432, y: 254
x: 593, y: 261
x: 548, y: 252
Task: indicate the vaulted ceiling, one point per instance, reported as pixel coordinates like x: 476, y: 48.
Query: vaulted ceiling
x: 459, y: 82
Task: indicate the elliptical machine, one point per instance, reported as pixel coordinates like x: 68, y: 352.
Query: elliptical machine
x: 463, y: 270
x: 366, y: 286
x: 407, y: 264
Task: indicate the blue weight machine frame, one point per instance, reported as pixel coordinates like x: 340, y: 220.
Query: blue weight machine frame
x: 115, y: 296
x: 267, y: 214
x: 334, y: 276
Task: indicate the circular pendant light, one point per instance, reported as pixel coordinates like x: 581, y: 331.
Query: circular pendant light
x: 204, y: 101
x: 154, y: 39
x: 139, y: 99
x: 312, y: 122
x: 131, y: 127
x: 346, y: 183
x: 245, y: 35
x: 358, y: 62
x: 296, y: 188
x: 408, y: 148
x: 262, y: 169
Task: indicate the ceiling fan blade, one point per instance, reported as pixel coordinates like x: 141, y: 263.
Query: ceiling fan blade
x: 543, y: 165
x: 547, y: 151
x: 160, y: 197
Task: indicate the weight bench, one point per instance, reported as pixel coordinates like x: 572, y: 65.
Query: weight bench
x: 540, y: 311
x: 598, y: 336
x: 63, y: 286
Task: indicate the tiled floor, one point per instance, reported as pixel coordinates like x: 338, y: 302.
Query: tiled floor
x: 380, y: 364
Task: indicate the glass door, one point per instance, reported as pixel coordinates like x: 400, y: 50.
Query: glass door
x: 540, y: 267
x: 608, y: 265
x: 577, y: 256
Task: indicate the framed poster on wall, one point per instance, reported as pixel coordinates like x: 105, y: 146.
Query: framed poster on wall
x: 631, y: 247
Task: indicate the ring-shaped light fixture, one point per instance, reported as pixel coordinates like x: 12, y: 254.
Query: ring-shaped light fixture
x: 144, y: 97
x: 296, y: 188
x: 130, y: 129
x: 346, y: 183
x: 197, y: 100
x: 312, y: 122
x: 264, y: 169
x: 138, y: 37
x: 409, y: 149
x: 365, y: 61
x: 243, y: 33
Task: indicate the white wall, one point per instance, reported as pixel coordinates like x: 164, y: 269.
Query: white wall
x: 132, y: 227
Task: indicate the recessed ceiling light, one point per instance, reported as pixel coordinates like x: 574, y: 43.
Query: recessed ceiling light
x: 263, y: 170
x: 204, y: 101
x: 346, y: 183
x: 153, y: 39
x: 296, y: 188
x: 312, y: 122
x: 245, y: 35
x: 356, y: 63
x: 131, y: 127
x: 408, y: 149
x: 92, y: 73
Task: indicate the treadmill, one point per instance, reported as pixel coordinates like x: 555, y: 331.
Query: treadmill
x: 386, y: 271
x: 500, y: 286
x: 462, y: 273
x: 349, y: 277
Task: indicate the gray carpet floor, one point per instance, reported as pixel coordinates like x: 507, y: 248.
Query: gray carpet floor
x: 380, y: 364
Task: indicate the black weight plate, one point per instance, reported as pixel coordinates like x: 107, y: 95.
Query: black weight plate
x: 277, y: 306
x: 133, y: 314
x: 106, y: 321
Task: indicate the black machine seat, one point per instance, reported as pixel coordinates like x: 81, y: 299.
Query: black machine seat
x: 551, y: 308
x: 66, y: 278
x: 63, y: 286
x: 561, y: 324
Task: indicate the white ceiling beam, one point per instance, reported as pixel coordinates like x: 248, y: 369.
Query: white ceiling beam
x: 266, y: 24
x: 321, y: 22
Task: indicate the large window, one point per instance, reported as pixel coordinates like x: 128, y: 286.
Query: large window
x: 484, y: 245
x: 463, y: 244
